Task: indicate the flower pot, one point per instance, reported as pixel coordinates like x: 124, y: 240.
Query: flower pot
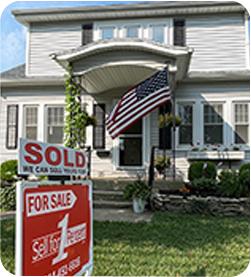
x: 138, y: 205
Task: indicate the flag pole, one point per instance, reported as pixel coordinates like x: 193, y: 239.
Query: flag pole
x: 172, y: 71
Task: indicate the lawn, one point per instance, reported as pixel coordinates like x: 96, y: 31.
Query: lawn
x: 173, y: 245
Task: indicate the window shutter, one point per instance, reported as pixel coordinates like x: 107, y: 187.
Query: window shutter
x: 87, y: 34
x: 99, y: 129
x: 12, y: 126
x: 179, y: 38
x: 165, y: 134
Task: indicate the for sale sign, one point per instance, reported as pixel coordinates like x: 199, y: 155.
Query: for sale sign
x: 54, y: 229
x: 40, y: 158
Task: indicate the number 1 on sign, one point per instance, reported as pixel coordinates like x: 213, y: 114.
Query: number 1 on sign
x: 63, y: 224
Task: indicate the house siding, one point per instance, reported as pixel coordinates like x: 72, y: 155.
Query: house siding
x: 45, y: 39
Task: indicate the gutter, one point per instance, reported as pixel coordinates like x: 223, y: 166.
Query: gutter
x: 26, y: 82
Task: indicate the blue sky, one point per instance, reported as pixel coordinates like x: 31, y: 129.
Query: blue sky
x: 13, y: 34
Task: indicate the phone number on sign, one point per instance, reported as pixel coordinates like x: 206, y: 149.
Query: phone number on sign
x: 66, y: 269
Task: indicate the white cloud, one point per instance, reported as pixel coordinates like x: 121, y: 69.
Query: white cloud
x: 13, y: 48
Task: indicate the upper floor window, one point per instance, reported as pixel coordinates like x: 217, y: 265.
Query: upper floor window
x: 107, y: 32
x: 30, y: 122
x: 132, y: 31
x: 12, y: 126
x: 87, y: 34
x: 157, y: 34
x: 213, y: 123
x: 179, y: 32
x: 186, y: 127
x: 241, y: 123
x: 55, y: 124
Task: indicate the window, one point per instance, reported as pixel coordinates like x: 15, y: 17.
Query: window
x: 132, y: 31
x: 213, y: 123
x: 107, y: 32
x: 55, y: 124
x: 158, y: 33
x: 99, y: 129
x: 87, y: 34
x: 241, y: 123
x: 130, y: 146
x: 186, y: 127
x: 179, y: 35
x: 165, y: 134
x: 30, y: 122
x: 12, y: 126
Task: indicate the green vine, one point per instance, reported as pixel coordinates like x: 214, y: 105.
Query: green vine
x: 77, y: 119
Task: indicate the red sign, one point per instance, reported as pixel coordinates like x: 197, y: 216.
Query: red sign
x: 40, y: 158
x: 54, y: 225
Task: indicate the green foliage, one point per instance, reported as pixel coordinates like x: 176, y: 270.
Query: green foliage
x: 137, y: 189
x: 244, y: 167
x: 233, y: 184
x: 204, y: 183
x: 202, y: 169
x: 77, y: 119
x: 9, y: 171
x: 8, y: 198
x: 167, y: 120
x: 162, y: 163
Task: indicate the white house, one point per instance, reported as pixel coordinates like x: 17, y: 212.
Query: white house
x: 111, y: 48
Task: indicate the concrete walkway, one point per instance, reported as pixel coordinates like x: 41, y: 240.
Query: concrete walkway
x: 119, y: 215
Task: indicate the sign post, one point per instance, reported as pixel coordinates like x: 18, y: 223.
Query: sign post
x: 54, y: 234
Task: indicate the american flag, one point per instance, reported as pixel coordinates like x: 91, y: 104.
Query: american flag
x: 138, y: 102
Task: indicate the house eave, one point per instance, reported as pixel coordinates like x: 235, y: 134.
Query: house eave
x: 125, y: 11
x: 27, y: 82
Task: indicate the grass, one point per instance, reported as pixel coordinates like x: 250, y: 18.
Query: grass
x: 172, y: 245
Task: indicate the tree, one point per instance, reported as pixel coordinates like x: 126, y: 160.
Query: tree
x: 77, y: 119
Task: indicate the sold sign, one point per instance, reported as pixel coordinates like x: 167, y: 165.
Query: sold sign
x: 40, y: 158
x: 54, y: 228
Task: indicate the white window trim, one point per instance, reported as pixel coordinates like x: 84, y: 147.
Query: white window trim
x: 24, y: 118
x: 244, y: 146
x: 166, y: 33
x: 115, y: 31
x: 125, y: 27
x: 224, y: 123
x: 46, y: 118
x: 177, y: 144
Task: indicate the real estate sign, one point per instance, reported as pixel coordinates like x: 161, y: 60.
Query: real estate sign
x: 54, y: 228
x: 40, y: 158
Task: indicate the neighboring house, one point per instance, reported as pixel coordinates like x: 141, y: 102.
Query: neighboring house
x: 112, y: 48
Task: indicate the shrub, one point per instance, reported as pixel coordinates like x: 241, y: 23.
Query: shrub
x: 201, y: 169
x: 8, y: 198
x: 204, y: 183
x: 244, y: 167
x: 162, y: 163
x: 232, y: 184
x: 9, y: 171
x: 138, y: 189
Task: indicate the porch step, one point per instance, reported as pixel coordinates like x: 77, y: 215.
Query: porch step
x: 111, y: 184
x: 108, y: 195
x: 105, y: 204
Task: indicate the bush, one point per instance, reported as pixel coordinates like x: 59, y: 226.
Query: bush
x: 204, y: 183
x: 138, y: 189
x: 201, y: 169
x: 8, y: 198
x: 9, y: 171
x: 244, y: 167
x: 234, y: 184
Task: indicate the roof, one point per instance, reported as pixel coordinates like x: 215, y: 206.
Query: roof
x: 136, y: 10
x: 15, y: 77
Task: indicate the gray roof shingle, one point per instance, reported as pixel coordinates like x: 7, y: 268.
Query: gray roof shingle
x: 17, y: 72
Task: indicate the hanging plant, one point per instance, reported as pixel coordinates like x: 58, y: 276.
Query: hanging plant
x: 167, y: 120
x: 77, y: 119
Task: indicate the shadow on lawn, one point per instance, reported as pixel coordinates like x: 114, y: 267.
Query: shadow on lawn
x: 183, y: 232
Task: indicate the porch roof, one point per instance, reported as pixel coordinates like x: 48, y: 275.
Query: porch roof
x: 105, y: 65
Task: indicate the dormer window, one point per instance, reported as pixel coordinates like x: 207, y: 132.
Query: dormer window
x: 158, y: 33
x: 132, y: 31
x: 107, y: 33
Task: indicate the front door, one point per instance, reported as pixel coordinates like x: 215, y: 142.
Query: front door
x: 130, y: 146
